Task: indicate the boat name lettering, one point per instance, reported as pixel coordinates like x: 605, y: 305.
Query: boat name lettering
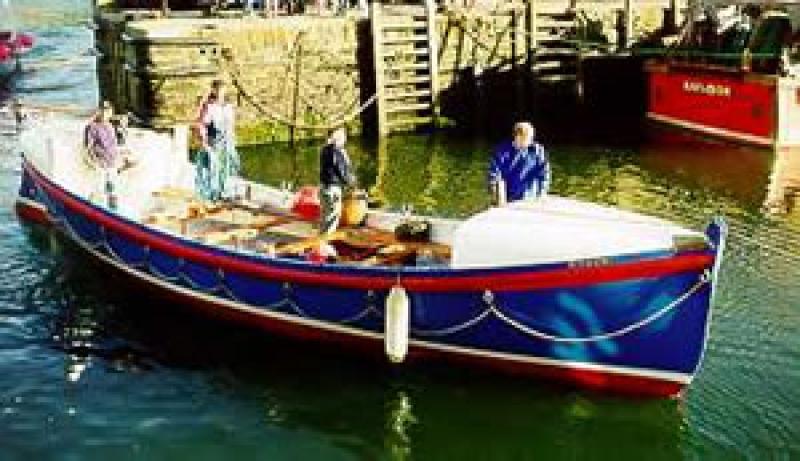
x: 709, y: 89
x: 592, y: 262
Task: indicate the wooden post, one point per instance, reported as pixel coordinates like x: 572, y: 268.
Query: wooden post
x: 531, y: 28
x: 516, y: 48
x: 164, y: 8
x: 433, y: 51
x: 628, y: 18
x: 378, y: 64
x: 296, y: 93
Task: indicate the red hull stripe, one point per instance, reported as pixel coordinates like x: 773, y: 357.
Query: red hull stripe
x: 558, y: 278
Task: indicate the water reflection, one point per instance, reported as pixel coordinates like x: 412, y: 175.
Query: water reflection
x: 784, y: 182
x: 400, y: 419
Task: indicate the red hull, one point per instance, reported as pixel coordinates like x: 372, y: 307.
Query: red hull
x: 744, y: 107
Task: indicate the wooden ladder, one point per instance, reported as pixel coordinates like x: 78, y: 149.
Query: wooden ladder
x: 556, y: 58
x: 404, y: 44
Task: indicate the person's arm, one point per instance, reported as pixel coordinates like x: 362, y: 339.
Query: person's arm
x: 545, y: 176
x: 344, y: 168
x: 494, y: 174
x: 231, y: 124
x: 200, y: 124
x: 86, y: 135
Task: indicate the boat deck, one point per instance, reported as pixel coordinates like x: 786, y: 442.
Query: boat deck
x: 253, y: 227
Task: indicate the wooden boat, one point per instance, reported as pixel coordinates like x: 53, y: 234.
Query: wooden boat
x: 741, y: 86
x: 589, y: 295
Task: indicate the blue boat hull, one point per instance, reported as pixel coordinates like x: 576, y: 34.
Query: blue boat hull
x: 638, y: 325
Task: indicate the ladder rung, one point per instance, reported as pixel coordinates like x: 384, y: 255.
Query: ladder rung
x: 415, y: 66
x: 406, y: 121
x: 404, y: 25
x: 407, y: 39
x: 392, y: 109
x: 406, y: 80
x: 403, y: 10
x: 406, y: 52
x: 551, y: 65
x: 555, y: 78
x: 561, y: 51
x: 554, y: 24
x: 408, y: 94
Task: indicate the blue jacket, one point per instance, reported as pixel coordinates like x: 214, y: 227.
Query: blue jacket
x: 526, y: 172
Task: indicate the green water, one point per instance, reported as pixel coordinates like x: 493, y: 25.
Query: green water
x: 90, y: 370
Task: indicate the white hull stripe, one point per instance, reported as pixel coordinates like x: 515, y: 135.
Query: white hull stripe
x: 721, y: 132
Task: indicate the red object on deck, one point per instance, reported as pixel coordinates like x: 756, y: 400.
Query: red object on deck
x: 5, y: 52
x: 306, y: 203
x: 23, y: 41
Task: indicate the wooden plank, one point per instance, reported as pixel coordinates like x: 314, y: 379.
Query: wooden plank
x: 408, y: 94
x: 406, y: 39
x: 433, y: 62
x: 406, y: 121
x: 393, y: 109
x: 405, y: 52
x: 407, y: 66
x: 377, y: 55
x: 403, y: 24
x: 406, y: 80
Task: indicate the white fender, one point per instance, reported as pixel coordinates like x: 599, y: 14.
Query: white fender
x: 396, y: 324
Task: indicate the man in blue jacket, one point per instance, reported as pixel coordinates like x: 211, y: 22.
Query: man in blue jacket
x: 519, y: 169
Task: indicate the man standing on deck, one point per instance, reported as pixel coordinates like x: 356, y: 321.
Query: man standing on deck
x: 100, y: 140
x: 335, y: 173
x: 519, y: 169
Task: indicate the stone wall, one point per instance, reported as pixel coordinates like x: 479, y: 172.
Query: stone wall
x: 313, y: 71
x: 298, y: 71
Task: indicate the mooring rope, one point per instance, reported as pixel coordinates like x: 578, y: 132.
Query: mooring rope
x: 274, y: 116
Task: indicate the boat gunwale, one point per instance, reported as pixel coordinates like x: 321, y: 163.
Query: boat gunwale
x: 423, y: 279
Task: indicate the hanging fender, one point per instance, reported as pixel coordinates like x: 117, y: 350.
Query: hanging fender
x: 396, y: 324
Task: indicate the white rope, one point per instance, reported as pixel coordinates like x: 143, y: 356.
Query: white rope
x: 605, y: 336
x: 492, y: 309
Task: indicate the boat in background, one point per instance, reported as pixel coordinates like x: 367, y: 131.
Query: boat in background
x: 733, y: 73
x: 13, y: 45
x: 593, y: 296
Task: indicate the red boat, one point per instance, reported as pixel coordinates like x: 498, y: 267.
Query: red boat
x: 731, y: 75
x: 13, y: 45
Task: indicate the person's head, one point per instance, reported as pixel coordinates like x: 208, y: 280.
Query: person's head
x: 338, y: 137
x: 523, y: 134
x: 105, y: 112
x: 217, y: 93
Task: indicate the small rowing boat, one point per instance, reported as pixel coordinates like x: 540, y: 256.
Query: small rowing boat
x: 13, y: 45
x: 593, y: 296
